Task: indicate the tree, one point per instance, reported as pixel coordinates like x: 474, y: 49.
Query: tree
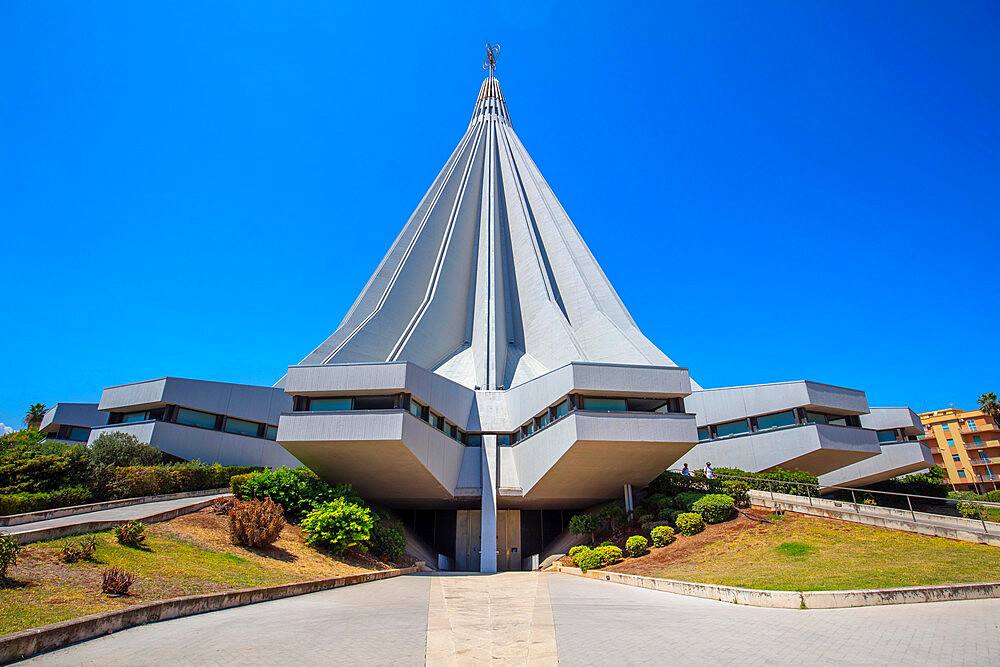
x: 116, y: 448
x: 33, y: 417
x: 584, y: 524
x: 988, y: 404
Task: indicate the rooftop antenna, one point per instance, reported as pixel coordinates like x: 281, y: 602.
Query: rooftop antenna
x: 490, y: 61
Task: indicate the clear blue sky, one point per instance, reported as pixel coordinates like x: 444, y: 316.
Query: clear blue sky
x: 778, y: 190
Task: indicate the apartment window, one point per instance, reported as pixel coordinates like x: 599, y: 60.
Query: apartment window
x: 732, y: 428
x: 195, y: 418
x: 971, y: 423
x: 604, y: 404
x: 886, y: 436
x: 240, y: 427
x: 777, y: 420
x: 562, y: 409
x: 961, y: 473
x: 946, y: 427
x: 271, y: 432
x: 955, y: 457
x: 329, y: 404
x: 977, y: 439
x: 951, y: 443
x: 704, y: 433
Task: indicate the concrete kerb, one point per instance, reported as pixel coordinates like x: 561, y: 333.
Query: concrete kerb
x: 27, y: 643
x: 799, y: 599
x: 60, y: 512
x: 56, y: 532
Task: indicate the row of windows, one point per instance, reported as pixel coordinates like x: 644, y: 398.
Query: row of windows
x: 74, y: 433
x: 794, y: 417
x: 569, y: 404
x: 189, y: 417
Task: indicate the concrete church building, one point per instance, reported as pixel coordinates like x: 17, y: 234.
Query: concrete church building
x: 488, y: 382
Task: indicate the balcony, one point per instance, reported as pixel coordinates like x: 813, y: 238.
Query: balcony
x: 980, y: 428
x: 983, y: 461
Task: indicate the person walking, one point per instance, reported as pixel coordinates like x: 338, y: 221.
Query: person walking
x: 685, y: 471
x: 708, y: 471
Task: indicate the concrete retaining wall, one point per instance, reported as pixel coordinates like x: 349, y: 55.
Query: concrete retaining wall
x: 799, y: 599
x: 27, y: 643
x: 59, y: 512
x: 936, y: 525
x: 56, y: 532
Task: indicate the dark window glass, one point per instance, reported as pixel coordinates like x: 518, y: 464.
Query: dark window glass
x: 562, y: 409
x: 646, y: 404
x: 195, y: 418
x: 271, y: 433
x: 604, y: 404
x: 329, y: 404
x: 777, y: 420
x: 886, y: 436
x: 503, y: 439
x: 704, y: 434
x: 475, y: 440
x: 79, y: 433
x: 732, y: 428
x: 142, y: 416
x: 374, y: 402
x: 240, y: 427
x: 816, y: 418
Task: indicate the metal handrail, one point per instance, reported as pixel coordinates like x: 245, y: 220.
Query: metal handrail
x: 909, y: 496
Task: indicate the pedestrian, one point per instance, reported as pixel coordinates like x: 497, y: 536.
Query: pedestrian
x: 708, y: 471
x: 685, y: 471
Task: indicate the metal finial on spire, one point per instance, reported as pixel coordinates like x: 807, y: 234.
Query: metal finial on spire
x: 490, y: 62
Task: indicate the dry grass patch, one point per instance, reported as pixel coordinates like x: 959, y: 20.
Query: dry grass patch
x: 803, y: 553
x: 188, y: 555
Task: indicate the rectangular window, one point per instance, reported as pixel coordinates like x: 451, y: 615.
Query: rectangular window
x: 503, y: 439
x: 79, y: 433
x: 886, y: 436
x: 416, y: 409
x: 977, y: 439
x: 732, y: 428
x: 955, y: 457
x: 543, y: 420
x: 777, y: 420
x: 240, y: 427
x: 195, y: 418
x: 951, y: 443
x: 704, y: 433
x: 437, y: 421
x: 562, y: 409
x: 271, y: 433
x: 527, y: 429
x: 816, y: 418
x: 961, y: 473
x: 475, y: 440
x: 452, y: 431
x: 971, y: 424
x: 130, y: 417
x: 329, y: 404
x: 604, y: 404
x: 374, y: 402
x: 647, y: 405
x: 945, y: 427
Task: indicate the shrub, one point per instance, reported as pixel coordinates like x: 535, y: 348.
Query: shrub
x: 386, y: 540
x: 589, y: 560
x: 868, y: 500
x: 778, y: 480
x: 671, y: 483
x: 19, y: 503
x: 338, y: 525
x: 237, y: 484
x: 298, y: 490
x: 967, y: 510
x: 715, y: 507
x: 131, y: 534
x: 584, y: 524
x: 38, y: 473
x: 577, y: 549
x: 690, y: 523
x: 669, y: 515
x: 738, y: 490
x: 636, y: 545
x: 8, y: 553
x: 223, y: 506
x: 117, y: 448
x: 255, y: 523
x: 685, y: 500
x: 662, y: 536
x: 115, y: 581
x: 609, y: 553
x: 82, y: 550
x: 613, y: 514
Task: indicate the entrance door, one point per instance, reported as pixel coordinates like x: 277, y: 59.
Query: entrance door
x: 508, y: 540
x: 468, y: 540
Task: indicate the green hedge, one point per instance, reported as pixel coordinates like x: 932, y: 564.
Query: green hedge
x: 137, y: 481
x: 684, y: 501
x: 19, y: 503
x: 778, y: 480
x: 715, y: 507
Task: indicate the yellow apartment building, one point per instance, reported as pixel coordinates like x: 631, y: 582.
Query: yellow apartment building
x: 967, y: 445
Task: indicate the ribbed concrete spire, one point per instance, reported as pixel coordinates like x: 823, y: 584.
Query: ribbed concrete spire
x: 489, y: 283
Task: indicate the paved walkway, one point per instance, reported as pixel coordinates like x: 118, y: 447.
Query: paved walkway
x: 126, y: 513
x: 522, y: 618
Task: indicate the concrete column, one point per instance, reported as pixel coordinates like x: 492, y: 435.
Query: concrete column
x: 488, y: 551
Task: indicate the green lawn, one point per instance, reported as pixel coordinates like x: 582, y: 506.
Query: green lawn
x: 805, y: 553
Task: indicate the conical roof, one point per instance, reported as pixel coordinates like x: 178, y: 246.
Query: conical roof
x: 489, y: 284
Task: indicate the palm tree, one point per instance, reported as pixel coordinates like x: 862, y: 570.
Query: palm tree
x: 33, y: 417
x: 988, y: 404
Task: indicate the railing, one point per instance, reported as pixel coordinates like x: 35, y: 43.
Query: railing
x: 984, y: 460
x: 813, y: 491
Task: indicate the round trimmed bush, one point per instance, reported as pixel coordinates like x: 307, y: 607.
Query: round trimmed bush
x: 636, y: 545
x: 577, y: 549
x: 662, y: 536
x: 690, y: 523
x: 589, y: 559
x: 684, y: 501
x: 338, y: 525
x: 610, y: 554
x: 715, y: 507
